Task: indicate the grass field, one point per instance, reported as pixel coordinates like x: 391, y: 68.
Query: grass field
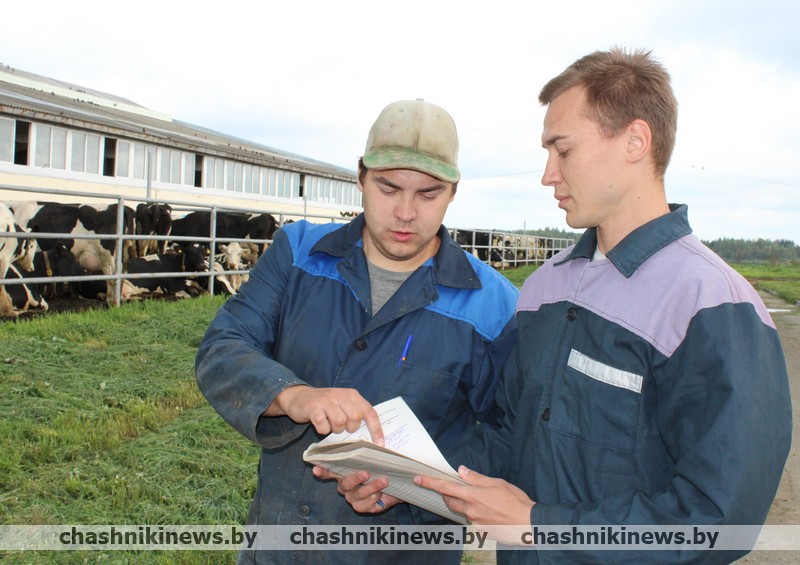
x: 103, y: 424
x: 782, y: 280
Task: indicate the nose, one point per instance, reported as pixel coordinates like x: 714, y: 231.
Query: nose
x: 404, y: 209
x: 552, y: 174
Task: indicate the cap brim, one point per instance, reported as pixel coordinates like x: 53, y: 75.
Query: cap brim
x: 398, y: 158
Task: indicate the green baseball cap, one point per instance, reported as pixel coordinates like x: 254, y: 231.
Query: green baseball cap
x: 417, y: 135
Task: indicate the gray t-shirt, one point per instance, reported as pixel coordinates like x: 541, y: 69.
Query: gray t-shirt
x: 383, y: 284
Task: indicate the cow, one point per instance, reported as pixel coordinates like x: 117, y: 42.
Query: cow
x: 229, y: 226
x: 56, y: 262
x: 153, y: 219
x: 230, y: 258
x: 227, y: 284
x: 12, y: 249
x: 193, y: 259
x: 94, y: 255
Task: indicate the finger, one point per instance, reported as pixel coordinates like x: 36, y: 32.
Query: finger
x: 445, y: 488
x: 473, y: 478
x: 337, y: 418
x: 369, y: 491
x: 323, y: 473
x: 353, y: 481
x: 373, y: 422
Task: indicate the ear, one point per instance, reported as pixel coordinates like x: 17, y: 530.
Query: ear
x: 639, y: 139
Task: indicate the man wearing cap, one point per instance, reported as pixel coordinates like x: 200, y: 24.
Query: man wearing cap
x: 335, y: 319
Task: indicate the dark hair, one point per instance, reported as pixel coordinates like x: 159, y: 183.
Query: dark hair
x: 622, y: 87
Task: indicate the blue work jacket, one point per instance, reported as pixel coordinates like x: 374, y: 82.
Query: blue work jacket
x: 647, y: 388
x: 304, y: 317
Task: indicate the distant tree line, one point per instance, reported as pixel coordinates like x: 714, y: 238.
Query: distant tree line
x: 551, y: 232
x: 770, y: 251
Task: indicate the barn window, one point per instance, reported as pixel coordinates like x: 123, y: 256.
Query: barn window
x: 6, y: 140
x: 84, y: 150
x: 93, y: 154
x: 21, y: 142
x: 188, y: 168
x: 175, y: 174
x: 109, y: 154
x: 123, y: 157
x: 51, y: 147
x: 139, y: 157
x: 163, y: 164
x: 42, y: 155
x: 58, y: 155
x: 78, y: 160
x: 229, y: 185
x: 198, y: 170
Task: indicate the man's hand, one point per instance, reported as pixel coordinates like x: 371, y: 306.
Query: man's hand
x: 487, y: 503
x: 364, y: 497
x: 327, y: 409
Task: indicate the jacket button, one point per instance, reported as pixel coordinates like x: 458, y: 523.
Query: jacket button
x: 572, y: 313
x: 360, y: 344
x: 304, y: 510
x: 546, y: 414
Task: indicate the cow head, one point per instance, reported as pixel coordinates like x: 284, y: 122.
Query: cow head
x: 195, y: 257
x: 230, y: 256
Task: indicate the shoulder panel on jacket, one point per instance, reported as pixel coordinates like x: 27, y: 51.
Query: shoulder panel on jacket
x: 303, y: 235
x: 488, y: 309
x: 658, y: 301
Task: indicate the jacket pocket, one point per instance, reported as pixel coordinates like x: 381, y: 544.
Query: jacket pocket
x: 430, y: 392
x: 597, y: 403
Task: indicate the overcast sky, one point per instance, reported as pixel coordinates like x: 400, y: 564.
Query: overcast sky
x: 310, y: 77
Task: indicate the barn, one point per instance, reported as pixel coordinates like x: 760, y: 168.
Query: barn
x: 67, y: 138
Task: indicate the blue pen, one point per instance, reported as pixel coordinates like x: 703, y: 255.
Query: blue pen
x: 405, y: 350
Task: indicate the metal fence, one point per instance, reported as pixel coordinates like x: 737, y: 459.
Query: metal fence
x: 499, y: 249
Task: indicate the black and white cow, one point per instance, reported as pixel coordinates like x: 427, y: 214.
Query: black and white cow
x: 486, y: 246
x: 56, y: 262
x: 153, y: 219
x: 229, y: 226
x: 193, y: 259
x: 12, y: 248
x: 94, y: 255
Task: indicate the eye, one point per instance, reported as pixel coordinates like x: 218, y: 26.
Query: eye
x: 563, y: 153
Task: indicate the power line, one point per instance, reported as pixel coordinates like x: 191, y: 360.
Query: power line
x: 520, y: 174
x: 767, y: 181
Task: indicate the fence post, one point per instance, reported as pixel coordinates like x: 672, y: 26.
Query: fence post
x: 119, y: 248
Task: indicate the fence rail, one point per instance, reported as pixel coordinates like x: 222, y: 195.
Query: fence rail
x: 499, y: 249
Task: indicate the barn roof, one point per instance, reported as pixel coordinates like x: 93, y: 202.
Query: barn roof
x: 29, y: 96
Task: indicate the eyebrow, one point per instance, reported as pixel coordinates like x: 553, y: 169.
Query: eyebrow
x: 390, y: 184
x: 553, y: 140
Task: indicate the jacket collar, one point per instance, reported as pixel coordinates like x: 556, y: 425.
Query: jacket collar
x: 450, y: 265
x: 639, y: 245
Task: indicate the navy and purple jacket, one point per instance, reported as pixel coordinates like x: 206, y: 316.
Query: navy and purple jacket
x: 304, y: 317
x: 647, y: 388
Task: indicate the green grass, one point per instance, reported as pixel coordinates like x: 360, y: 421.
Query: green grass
x: 103, y: 424
x: 517, y: 276
x: 782, y: 280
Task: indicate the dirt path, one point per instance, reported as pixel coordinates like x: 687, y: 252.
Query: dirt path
x: 786, y: 507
